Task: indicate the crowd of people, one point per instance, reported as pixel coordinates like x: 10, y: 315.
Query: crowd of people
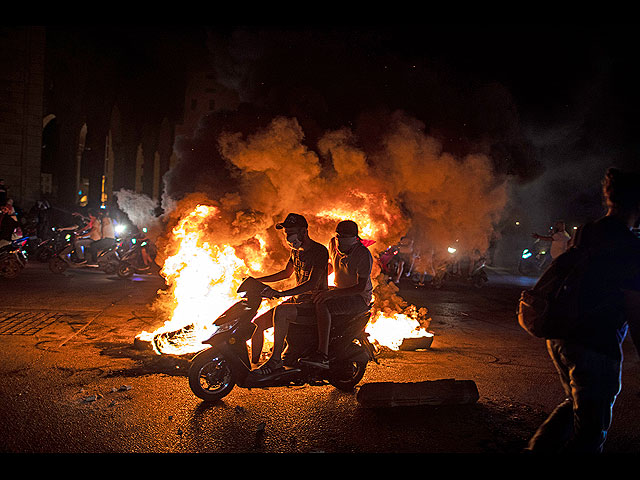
x: 94, y: 228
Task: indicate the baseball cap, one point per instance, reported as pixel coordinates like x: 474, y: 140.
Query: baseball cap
x: 348, y: 228
x: 293, y: 220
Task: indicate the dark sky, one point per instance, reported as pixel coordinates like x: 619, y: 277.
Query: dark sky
x: 557, y: 102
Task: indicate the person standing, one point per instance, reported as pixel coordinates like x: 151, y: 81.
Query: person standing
x: 589, y: 360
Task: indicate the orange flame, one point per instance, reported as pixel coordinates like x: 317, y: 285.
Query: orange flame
x: 204, y: 277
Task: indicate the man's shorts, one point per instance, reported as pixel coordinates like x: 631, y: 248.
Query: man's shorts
x: 350, y: 305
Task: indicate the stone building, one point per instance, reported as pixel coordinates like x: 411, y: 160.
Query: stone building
x: 22, y: 51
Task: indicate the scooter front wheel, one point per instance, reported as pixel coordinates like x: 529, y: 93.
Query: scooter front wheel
x: 211, y: 376
x: 125, y: 270
x: 57, y: 265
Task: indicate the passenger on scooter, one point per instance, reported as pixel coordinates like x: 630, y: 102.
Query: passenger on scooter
x: 309, y: 260
x: 351, y: 262
x: 107, y: 237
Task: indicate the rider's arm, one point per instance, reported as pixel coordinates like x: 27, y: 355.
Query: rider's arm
x: 281, y: 275
x: 543, y: 237
x: 308, y: 286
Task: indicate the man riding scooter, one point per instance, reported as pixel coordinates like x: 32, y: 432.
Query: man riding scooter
x: 309, y: 261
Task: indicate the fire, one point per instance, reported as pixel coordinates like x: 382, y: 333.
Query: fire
x: 203, y: 278
x: 390, y: 331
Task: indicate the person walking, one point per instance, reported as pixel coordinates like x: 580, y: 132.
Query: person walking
x: 589, y: 360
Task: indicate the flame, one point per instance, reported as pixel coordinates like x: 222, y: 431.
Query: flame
x: 390, y: 330
x: 203, y: 278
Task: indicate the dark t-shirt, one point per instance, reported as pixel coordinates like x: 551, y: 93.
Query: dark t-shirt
x: 615, y: 267
x: 306, y: 261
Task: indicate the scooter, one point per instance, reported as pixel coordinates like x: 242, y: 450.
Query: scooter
x: 63, y: 257
x: 13, y: 258
x: 133, y: 260
x: 535, y: 259
x: 48, y: 247
x: 214, y: 372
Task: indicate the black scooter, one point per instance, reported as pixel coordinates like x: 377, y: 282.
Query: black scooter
x: 215, y: 371
x: 133, y: 261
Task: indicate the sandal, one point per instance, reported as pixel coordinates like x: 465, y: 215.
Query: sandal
x: 270, y: 366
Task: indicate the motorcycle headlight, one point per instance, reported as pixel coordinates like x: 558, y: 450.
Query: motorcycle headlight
x: 225, y: 327
x: 526, y: 253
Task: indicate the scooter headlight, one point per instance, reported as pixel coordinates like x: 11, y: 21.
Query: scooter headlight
x: 225, y: 327
x: 526, y: 253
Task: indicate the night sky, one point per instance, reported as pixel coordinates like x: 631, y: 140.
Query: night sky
x: 552, y: 104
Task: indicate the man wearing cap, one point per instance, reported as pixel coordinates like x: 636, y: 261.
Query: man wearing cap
x: 352, y: 263
x: 309, y: 260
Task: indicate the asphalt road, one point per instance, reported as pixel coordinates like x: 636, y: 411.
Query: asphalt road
x: 74, y: 383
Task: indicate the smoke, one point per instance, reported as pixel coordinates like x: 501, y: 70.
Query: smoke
x: 140, y: 209
x: 407, y: 184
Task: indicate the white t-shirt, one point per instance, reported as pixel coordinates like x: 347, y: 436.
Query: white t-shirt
x: 559, y: 243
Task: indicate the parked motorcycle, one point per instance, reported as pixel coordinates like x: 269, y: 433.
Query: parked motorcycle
x: 13, y: 258
x: 214, y: 372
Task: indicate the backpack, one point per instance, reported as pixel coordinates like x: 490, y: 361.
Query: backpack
x: 552, y: 308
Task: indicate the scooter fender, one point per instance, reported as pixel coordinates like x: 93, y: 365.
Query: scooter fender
x: 355, y: 353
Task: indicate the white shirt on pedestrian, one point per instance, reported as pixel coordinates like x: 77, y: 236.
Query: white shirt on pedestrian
x: 559, y: 243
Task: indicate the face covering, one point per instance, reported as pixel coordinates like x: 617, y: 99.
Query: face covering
x: 345, y: 243
x: 294, y: 241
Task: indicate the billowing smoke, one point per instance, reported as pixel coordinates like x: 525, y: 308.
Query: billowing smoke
x: 407, y: 185
x: 141, y: 210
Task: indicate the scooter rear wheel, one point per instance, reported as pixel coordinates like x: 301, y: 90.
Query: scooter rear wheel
x: 211, y: 376
x: 346, y: 375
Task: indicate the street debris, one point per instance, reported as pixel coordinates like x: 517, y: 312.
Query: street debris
x: 98, y: 396
x: 432, y: 392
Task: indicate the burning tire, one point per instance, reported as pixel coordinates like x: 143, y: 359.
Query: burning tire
x: 346, y: 375
x: 211, y: 376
